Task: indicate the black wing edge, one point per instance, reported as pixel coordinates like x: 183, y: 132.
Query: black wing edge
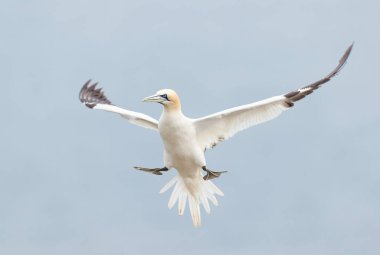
x: 90, y: 96
x: 301, y: 93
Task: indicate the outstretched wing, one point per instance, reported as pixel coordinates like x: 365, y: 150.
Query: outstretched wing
x: 94, y: 98
x: 217, y: 127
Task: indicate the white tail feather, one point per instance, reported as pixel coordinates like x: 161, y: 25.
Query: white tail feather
x: 182, y: 203
x: 169, y: 184
x: 215, y: 189
x: 175, y: 194
x: 196, y: 191
x: 205, y: 203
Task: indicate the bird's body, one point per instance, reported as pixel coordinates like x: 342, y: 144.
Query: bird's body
x: 183, y: 152
x: 181, y: 149
x: 185, y: 140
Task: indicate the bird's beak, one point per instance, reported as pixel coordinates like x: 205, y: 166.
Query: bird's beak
x: 154, y: 98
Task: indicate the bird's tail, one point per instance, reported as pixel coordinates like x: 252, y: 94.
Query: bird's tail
x: 196, y: 191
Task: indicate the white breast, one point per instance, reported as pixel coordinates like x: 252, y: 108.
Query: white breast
x: 182, y: 150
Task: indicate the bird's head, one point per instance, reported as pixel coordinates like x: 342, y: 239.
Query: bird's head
x: 167, y: 97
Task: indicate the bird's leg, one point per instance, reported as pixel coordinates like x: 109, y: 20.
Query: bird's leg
x: 211, y: 174
x: 156, y: 171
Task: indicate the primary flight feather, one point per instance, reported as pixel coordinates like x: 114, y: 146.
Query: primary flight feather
x: 185, y: 139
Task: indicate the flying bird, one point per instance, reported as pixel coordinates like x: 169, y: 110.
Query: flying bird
x: 185, y: 139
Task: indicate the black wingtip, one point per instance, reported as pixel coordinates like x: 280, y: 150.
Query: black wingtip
x: 346, y: 54
x: 83, y: 90
x: 301, y: 93
x: 342, y: 62
x: 91, y: 96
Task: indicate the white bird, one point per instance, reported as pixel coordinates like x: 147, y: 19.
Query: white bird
x: 185, y: 139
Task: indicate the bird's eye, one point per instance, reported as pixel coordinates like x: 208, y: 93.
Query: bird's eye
x: 165, y: 96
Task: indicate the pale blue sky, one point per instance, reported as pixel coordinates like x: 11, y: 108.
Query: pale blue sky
x: 308, y: 182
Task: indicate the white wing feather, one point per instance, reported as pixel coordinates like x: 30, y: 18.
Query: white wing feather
x: 220, y: 126
x: 136, y: 118
x: 94, y: 98
x: 217, y: 127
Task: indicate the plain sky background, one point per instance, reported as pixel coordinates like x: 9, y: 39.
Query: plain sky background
x: 307, y: 182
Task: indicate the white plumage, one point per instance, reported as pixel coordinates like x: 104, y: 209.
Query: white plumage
x: 186, y: 139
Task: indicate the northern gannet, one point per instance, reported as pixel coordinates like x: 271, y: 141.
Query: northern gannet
x: 185, y: 139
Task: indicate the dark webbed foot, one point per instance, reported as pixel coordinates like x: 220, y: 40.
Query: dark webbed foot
x: 211, y: 174
x: 156, y: 171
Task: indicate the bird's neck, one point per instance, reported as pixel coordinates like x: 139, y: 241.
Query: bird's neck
x: 174, y: 111
x: 173, y: 108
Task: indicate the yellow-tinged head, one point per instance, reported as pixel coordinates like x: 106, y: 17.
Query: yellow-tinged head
x: 167, y: 97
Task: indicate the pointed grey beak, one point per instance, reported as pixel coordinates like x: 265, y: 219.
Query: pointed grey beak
x: 154, y: 98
